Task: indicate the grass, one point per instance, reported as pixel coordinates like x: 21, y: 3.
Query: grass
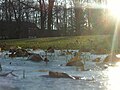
x: 86, y: 43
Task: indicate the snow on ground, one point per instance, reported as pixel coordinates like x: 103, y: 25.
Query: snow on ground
x: 34, y: 78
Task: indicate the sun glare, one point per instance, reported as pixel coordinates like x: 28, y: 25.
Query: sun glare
x: 114, y: 8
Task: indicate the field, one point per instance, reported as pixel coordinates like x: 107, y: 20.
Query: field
x: 83, y: 43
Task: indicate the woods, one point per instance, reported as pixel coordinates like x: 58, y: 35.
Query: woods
x: 44, y: 18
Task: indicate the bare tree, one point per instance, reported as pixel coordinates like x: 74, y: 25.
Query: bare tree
x: 50, y: 9
x: 79, y: 16
x: 43, y: 13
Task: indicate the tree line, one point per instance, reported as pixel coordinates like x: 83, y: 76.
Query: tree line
x: 66, y: 17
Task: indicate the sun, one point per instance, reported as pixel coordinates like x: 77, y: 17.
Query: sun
x: 114, y: 8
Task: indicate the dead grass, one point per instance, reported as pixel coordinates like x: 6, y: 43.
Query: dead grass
x: 84, y: 43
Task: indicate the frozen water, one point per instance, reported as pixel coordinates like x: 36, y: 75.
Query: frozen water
x: 34, y: 78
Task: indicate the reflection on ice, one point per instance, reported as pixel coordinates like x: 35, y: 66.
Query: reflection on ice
x: 118, y: 55
x: 114, y: 77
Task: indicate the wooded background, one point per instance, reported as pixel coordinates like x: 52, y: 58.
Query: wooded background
x: 44, y: 18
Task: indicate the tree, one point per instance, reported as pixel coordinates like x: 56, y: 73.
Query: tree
x: 50, y: 8
x: 79, y: 17
x: 43, y: 13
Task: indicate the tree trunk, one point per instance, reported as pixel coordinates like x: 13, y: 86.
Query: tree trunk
x: 6, y: 9
x: 78, y: 12
x: 50, y: 7
x: 43, y: 14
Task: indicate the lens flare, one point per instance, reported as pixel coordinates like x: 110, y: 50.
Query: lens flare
x: 115, y: 37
